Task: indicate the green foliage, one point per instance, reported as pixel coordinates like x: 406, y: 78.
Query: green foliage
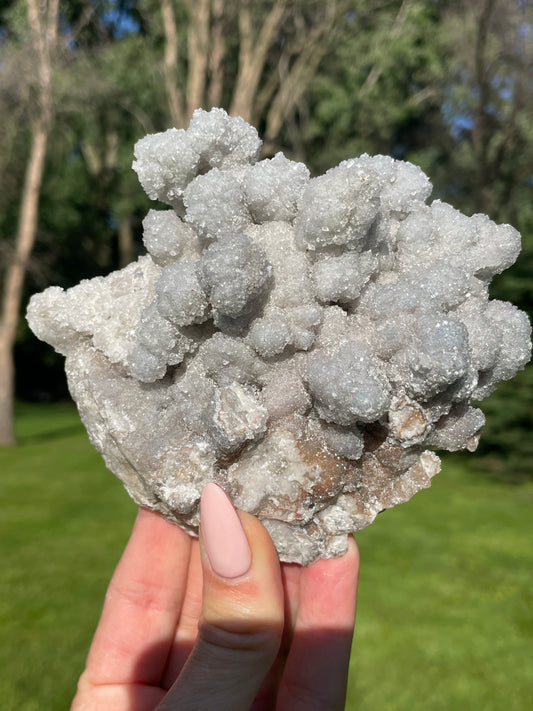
x: 445, y: 604
x: 506, y: 447
x: 380, y: 89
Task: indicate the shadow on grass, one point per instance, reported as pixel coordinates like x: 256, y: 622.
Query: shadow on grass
x: 56, y: 433
x: 40, y: 423
x: 496, y: 467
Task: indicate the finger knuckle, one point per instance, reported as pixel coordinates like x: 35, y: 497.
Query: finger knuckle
x: 261, y: 639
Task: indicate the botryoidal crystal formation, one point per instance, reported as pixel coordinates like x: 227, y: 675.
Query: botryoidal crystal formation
x: 304, y: 342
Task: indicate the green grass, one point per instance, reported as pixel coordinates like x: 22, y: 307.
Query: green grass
x: 445, y: 616
x: 64, y: 522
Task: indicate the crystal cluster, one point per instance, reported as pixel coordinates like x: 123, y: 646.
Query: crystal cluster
x: 304, y: 342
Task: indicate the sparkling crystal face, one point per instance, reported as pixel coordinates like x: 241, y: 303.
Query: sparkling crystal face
x: 303, y: 342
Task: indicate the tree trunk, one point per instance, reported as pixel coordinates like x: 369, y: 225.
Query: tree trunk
x: 42, y: 17
x: 482, y: 129
x: 14, y: 279
x: 253, y: 50
x: 197, y: 53
x: 7, y: 376
x: 126, y: 247
x: 175, y: 102
x: 216, y: 55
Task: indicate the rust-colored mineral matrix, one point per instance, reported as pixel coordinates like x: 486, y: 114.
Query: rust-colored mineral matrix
x: 305, y: 343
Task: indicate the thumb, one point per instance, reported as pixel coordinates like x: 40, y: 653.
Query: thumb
x: 241, y: 623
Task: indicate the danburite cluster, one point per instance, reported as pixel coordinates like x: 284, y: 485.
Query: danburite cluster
x: 306, y: 343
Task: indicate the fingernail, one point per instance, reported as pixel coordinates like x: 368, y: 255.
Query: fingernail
x: 223, y: 535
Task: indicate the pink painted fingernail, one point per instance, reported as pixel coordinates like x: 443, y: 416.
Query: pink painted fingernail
x: 225, y: 542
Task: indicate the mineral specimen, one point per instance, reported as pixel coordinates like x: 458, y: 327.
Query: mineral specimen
x: 303, y: 342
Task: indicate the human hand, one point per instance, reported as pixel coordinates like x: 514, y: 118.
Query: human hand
x: 218, y: 623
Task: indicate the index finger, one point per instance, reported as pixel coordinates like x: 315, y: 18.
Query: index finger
x: 142, y: 605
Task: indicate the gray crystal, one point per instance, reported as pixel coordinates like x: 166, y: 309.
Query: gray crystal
x: 303, y: 342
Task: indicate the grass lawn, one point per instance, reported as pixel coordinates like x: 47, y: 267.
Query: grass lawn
x: 445, y: 615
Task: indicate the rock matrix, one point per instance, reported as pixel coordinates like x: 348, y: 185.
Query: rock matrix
x: 304, y: 342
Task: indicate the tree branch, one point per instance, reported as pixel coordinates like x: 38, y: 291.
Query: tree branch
x: 175, y: 101
x: 51, y: 24
x: 481, y: 132
x: 216, y: 56
x: 85, y: 17
x: 303, y: 69
x: 397, y: 27
x: 252, y: 55
x: 197, y: 45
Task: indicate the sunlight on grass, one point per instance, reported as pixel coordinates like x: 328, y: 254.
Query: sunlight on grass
x: 64, y: 523
x: 445, y: 608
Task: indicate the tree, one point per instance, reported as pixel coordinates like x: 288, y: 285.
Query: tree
x: 261, y: 72
x: 489, y: 102
x: 382, y: 89
x: 489, y: 108
x: 42, y: 44
x: 57, y: 97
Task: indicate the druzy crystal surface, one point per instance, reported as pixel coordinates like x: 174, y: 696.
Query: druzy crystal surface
x: 304, y: 342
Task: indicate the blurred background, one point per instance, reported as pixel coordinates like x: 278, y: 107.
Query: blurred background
x: 446, y: 613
